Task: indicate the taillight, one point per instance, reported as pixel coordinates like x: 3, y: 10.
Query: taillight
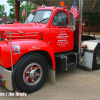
x: 0, y: 76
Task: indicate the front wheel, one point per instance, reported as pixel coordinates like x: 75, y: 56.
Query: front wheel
x: 30, y: 73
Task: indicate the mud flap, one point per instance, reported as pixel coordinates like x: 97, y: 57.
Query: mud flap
x: 52, y: 75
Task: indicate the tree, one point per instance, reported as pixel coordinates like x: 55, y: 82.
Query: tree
x: 12, y: 10
x: 95, y: 17
x: 2, y: 9
x: 30, y: 7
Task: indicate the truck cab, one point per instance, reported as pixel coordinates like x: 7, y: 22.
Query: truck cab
x: 56, y: 30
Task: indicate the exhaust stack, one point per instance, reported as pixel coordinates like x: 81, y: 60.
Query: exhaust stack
x: 80, y: 28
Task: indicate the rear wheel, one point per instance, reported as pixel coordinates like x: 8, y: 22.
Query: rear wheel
x: 96, y: 58
x: 30, y: 73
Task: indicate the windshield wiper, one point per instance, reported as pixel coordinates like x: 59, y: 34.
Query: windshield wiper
x: 41, y: 20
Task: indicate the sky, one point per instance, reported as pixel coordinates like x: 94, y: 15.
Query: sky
x: 7, y: 7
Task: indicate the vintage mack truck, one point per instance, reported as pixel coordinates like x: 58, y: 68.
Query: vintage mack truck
x: 49, y: 40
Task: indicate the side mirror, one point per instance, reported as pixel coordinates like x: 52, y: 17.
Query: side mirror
x: 72, y: 22
x: 73, y: 28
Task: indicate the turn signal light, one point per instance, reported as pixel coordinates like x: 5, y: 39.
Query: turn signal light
x: 5, y: 83
x: 84, y: 46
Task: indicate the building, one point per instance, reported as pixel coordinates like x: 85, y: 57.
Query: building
x: 6, y: 20
x: 93, y: 29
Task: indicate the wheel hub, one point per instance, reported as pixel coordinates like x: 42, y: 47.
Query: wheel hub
x: 32, y: 74
x: 98, y: 57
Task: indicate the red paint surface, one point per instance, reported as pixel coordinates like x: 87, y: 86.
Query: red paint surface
x: 55, y: 39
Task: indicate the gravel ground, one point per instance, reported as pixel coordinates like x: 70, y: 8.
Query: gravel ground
x: 74, y: 84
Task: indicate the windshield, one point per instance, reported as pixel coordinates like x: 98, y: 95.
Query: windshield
x: 40, y: 16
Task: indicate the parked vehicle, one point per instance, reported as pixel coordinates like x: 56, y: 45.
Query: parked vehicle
x: 49, y: 40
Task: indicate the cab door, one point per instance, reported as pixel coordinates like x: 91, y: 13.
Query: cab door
x: 61, y: 35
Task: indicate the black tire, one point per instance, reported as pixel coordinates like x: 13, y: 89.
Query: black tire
x: 18, y: 73
x: 96, y: 65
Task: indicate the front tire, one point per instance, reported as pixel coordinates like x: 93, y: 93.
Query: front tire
x: 30, y: 73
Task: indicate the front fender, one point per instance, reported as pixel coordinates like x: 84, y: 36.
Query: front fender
x: 23, y: 47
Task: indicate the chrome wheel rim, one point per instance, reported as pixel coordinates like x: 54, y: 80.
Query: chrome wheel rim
x: 98, y: 57
x: 32, y: 74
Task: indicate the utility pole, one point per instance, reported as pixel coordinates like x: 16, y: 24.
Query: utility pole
x: 1, y: 14
x: 26, y: 9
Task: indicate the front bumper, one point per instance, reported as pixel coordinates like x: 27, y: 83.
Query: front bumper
x: 7, y: 77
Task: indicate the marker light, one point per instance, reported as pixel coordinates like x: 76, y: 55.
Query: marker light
x: 84, y: 46
x: 0, y: 76
x: 62, y: 3
x: 5, y: 84
x: 6, y: 41
x: 39, y: 7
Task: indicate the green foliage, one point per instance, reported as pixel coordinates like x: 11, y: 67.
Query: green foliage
x: 2, y: 9
x: 95, y: 17
x: 11, y: 3
x: 12, y: 10
x: 30, y: 7
x: 86, y: 15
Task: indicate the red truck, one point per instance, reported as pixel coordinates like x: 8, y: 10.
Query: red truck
x: 49, y: 40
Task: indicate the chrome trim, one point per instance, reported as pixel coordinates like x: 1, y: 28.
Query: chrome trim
x: 49, y: 42
x: 76, y: 59
x: 8, y: 76
x: 32, y: 74
x: 66, y: 62
x: 87, y: 60
x: 23, y: 36
x: 11, y: 51
x: 21, y: 32
x: 11, y: 33
x: 80, y: 28
x: 32, y: 33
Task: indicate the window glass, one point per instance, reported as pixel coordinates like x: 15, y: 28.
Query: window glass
x: 60, y: 19
x: 86, y: 23
x: 41, y: 16
x: 72, y: 21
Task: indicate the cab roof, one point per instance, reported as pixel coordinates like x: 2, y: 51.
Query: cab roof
x: 51, y: 8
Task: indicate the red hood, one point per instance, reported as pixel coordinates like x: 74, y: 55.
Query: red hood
x: 23, y: 25
x: 31, y: 30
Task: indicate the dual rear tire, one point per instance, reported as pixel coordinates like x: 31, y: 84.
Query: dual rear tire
x: 96, y: 58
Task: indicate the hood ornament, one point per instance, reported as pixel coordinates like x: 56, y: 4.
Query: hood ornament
x: 21, y: 32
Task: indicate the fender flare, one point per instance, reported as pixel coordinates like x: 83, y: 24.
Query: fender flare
x: 36, y: 45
